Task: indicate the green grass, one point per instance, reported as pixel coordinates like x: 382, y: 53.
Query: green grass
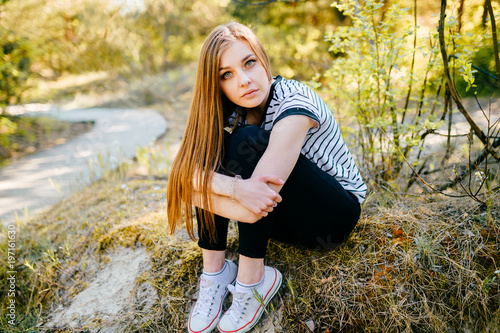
x: 22, y: 135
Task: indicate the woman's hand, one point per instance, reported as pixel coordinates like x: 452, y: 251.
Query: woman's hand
x: 256, y: 195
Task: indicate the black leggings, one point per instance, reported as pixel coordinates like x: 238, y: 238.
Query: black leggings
x: 316, y: 211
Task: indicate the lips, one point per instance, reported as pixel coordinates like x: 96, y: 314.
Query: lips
x: 249, y: 93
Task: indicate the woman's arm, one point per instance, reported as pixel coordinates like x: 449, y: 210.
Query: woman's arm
x: 222, y: 185
x: 223, y: 206
x: 255, y: 197
x: 283, y: 150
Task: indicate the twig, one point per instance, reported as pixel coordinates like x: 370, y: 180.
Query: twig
x: 418, y: 176
x: 413, y: 178
x: 266, y: 2
x: 451, y: 86
x: 472, y: 166
x: 447, y: 107
x: 412, y: 62
x: 495, y: 39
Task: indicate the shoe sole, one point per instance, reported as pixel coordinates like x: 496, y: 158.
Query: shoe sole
x: 271, y: 295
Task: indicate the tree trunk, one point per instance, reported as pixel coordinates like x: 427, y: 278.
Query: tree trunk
x: 495, y: 39
x: 485, y: 13
x: 451, y: 86
x: 460, y: 15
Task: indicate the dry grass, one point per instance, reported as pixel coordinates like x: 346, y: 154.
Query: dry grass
x: 416, y: 266
x: 413, y: 265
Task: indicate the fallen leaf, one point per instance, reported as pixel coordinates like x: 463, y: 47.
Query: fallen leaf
x: 327, y: 279
x: 310, y: 325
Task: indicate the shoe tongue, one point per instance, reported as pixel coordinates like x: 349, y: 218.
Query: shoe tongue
x: 206, y: 283
x: 236, y: 294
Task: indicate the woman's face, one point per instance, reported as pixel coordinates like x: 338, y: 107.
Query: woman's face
x: 243, y: 79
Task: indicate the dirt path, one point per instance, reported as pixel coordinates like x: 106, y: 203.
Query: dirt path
x: 42, y: 179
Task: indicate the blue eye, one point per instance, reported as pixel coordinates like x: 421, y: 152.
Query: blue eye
x: 249, y: 63
x: 226, y: 75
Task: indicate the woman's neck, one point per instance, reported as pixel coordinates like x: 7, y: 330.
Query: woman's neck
x: 254, y: 115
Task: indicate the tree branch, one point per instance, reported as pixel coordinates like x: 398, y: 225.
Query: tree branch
x: 495, y: 40
x: 266, y: 2
x: 471, y: 167
x: 454, y: 94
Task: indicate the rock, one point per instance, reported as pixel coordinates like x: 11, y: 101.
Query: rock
x: 111, y: 294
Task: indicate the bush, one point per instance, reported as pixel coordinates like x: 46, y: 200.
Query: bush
x: 384, y: 84
x: 20, y: 135
x: 14, y: 68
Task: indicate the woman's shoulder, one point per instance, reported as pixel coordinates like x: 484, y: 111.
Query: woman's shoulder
x: 292, y: 94
x: 289, y: 87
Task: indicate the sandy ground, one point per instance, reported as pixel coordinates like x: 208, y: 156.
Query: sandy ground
x: 42, y: 179
x: 111, y: 296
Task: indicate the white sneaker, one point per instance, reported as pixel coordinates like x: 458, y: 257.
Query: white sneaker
x: 208, y: 308
x: 246, y: 310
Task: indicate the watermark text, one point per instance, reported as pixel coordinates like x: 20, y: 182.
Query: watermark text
x: 11, y: 274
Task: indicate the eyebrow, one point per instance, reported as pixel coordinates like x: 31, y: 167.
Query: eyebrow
x: 243, y: 60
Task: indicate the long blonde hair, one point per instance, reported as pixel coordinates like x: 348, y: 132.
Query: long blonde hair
x: 202, y: 144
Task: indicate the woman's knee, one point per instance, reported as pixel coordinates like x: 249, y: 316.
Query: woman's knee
x: 248, y: 137
x: 246, y: 146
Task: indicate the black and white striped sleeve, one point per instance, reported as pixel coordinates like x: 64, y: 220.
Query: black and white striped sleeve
x: 298, y: 103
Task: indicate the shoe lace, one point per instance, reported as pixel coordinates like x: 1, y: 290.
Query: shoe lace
x: 206, y: 300
x: 239, y: 305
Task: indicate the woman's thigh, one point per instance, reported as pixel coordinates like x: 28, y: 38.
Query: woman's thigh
x: 316, y: 211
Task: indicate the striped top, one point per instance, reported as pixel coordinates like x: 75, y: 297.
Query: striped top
x: 323, y: 144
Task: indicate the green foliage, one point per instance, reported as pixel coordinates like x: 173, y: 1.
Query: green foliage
x: 292, y: 33
x: 467, y: 48
x: 377, y: 77
x: 14, y: 67
x: 483, y: 84
x: 21, y: 134
x: 73, y: 37
x: 171, y: 32
x: 54, y: 38
x: 7, y: 128
x: 471, y: 45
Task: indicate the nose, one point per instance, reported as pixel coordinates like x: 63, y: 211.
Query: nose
x: 244, y: 79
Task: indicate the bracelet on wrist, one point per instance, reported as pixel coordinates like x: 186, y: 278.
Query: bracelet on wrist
x: 233, y: 186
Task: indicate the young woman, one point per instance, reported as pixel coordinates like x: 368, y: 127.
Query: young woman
x: 267, y: 153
